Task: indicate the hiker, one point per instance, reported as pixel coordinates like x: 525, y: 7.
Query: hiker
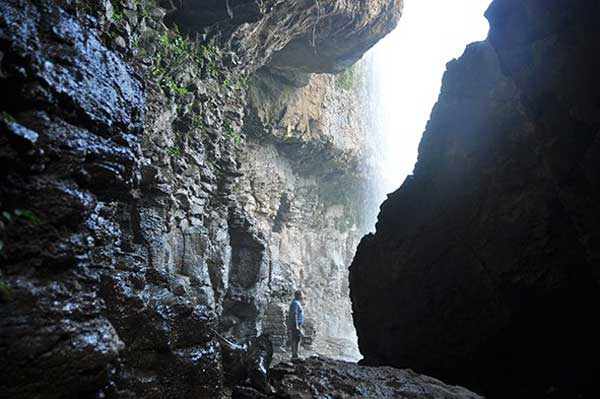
x: 295, y: 322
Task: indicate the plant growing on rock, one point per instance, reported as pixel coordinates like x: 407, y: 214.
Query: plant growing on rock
x: 27, y: 215
x: 117, y: 11
x: 116, y: 16
x: 179, y: 90
x: 231, y: 134
x: 208, y: 55
x: 198, y: 123
x: 177, y: 47
x: 23, y: 214
x: 347, y: 80
x: 174, y: 151
x: 107, y: 38
x: 6, y: 116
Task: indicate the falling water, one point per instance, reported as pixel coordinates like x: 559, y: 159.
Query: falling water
x: 402, y: 78
x: 404, y: 73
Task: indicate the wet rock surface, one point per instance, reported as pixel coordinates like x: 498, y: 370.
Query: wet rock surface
x: 57, y: 134
x: 296, y: 39
x: 483, y: 269
x: 322, y: 378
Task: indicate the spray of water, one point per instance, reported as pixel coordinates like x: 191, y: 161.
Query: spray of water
x: 402, y: 76
x: 404, y: 73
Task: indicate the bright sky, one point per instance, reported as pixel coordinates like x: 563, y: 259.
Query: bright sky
x: 408, y: 67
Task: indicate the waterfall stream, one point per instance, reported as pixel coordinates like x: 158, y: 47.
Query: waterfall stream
x: 404, y: 74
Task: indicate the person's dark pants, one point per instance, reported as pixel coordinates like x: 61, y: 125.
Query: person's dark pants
x: 296, y: 338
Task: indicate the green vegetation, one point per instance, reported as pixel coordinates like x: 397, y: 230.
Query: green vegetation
x: 231, y: 134
x: 175, y: 50
x: 157, y: 71
x: 27, y: 215
x: 116, y: 16
x: 170, y: 83
x: 237, y: 83
x: 164, y: 39
x: 145, y: 9
x: 176, y: 60
x: 117, y: 11
x: 182, y: 48
x: 208, y: 55
x: 179, y: 48
x: 243, y: 82
x: 107, y: 37
x: 174, y: 151
x: 23, y: 214
x: 6, y: 116
x: 347, y: 80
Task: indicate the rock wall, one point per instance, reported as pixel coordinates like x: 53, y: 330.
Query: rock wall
x: 296, y: 38
x: 483, y: 270
x: 137, y: 219
x: 306, y: 178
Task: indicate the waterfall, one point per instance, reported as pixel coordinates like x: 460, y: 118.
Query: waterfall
x: 404, y: 74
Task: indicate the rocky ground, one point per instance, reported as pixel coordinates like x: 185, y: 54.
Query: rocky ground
x: 321, y: 378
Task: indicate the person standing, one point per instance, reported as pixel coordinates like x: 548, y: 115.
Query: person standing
x: 295, y: 322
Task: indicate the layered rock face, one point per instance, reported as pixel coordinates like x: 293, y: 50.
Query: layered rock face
x: 298, y: 38
x: 306, y: 178
x: 137, y: 218
x: 483, y: 270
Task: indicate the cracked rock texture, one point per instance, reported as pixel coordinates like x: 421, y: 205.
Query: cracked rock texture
x: 324, y: 378
x: 484, y: 267
x: 145, y: 204
x: 306, y: 179
x: 297, y: 38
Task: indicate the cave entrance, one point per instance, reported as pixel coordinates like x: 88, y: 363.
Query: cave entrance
x: 404, y: 77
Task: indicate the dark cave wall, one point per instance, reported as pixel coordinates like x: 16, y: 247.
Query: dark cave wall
x: 484, y: 266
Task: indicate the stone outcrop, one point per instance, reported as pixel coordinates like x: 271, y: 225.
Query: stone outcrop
x: 129, y: 234
x: 296, y: 38
x: 322, y: 378
x: 483, y: 270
